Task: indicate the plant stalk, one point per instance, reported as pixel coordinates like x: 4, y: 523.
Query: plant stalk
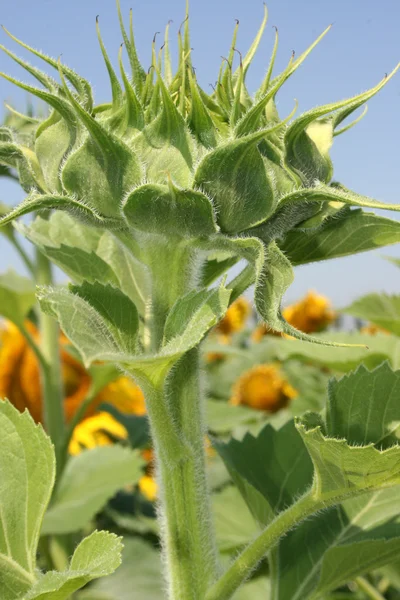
x: 368, y: 589
x: 185, y: 514
x: 50, y: 370
x: 247, y: 561
x: 175, y: 410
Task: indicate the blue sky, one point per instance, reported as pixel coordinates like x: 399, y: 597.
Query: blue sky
x: 360, y: 48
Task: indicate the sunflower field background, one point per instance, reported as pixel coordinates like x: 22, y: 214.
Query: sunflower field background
x: 252, y: 375
x: 257, y: 381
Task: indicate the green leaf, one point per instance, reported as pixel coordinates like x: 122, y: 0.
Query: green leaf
x: 81, y: 85
x: 71, y: 245
x: 91, y: 172
x: 223, y: 417
x: 359, y: 535
x: 90, y: 479
x: 169, y: 127
x: 51, y: 147
x: 234, y: 176
x: 348, y: 233
x: 200, y: 121
x: 375, y: 421
x: 256, y: 589
x: 117, y: 311
x: 335, y: 193
x: 274, y: 276
x: 381, y: 309
x: 170, y: 211
x: 139, y: 576
x: 195, y: 310
x: 281, y: 469
x: 88, y: 254
x: 27, y: 471
x: 232, y: 533
x: 97, y: 335
x: 17, y: 297
x: 366, y: 349
x: 350, y: 460
x: 97, y: 555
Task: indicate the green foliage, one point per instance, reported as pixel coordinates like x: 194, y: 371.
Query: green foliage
x: 89, y: 480
x: 220, y: 161
x: 380, y: 309
x: 17, y: 297
x: 97, y: 555
x: 348, y: 460
x: 139, y: 575
x: 27, y: 466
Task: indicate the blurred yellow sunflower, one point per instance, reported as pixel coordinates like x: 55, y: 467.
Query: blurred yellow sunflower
x: 263, y: 387
x: 233, y: 322
x: 20, y: 378
x: 235, y: 318
x: 311, y: 314
x: 102, y: 430
x: 372, y: 329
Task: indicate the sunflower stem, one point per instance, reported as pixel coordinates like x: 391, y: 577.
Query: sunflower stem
x: 247, y: 561
x: 50, y: 368
x: 188, y: 538
x: 175, y: 410
x: 368, y: 589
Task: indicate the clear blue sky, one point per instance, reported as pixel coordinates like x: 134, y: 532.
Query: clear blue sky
x: 362, y: 45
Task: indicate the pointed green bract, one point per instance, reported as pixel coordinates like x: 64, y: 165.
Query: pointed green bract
x: 349, y: 232
x: 170, y: 211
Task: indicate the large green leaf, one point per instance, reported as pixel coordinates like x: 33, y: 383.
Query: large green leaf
x: 88, y: 482
x: 87, y: 254
x: 349, y: 232
x: 17, y: 296
x: 350, y: 460
x: 381, y: 309
x: 27, y: 470
x: 138, y: 578
x: 100, y: 331
x: 281, y: 469
x: 338, y: 545
x: 96, y: 556
x: 27, y: 473
x: 232, y: 533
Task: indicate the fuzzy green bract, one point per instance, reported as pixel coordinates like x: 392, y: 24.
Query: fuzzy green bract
x: 165, y: 159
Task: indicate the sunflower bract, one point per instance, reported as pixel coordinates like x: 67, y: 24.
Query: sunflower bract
x: 166, y: 159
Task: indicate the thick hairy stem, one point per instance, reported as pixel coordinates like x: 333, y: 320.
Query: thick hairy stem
x: 50, y: 369
x: 173, y: 266
x: 247, y: 561
x: 188, y: 539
